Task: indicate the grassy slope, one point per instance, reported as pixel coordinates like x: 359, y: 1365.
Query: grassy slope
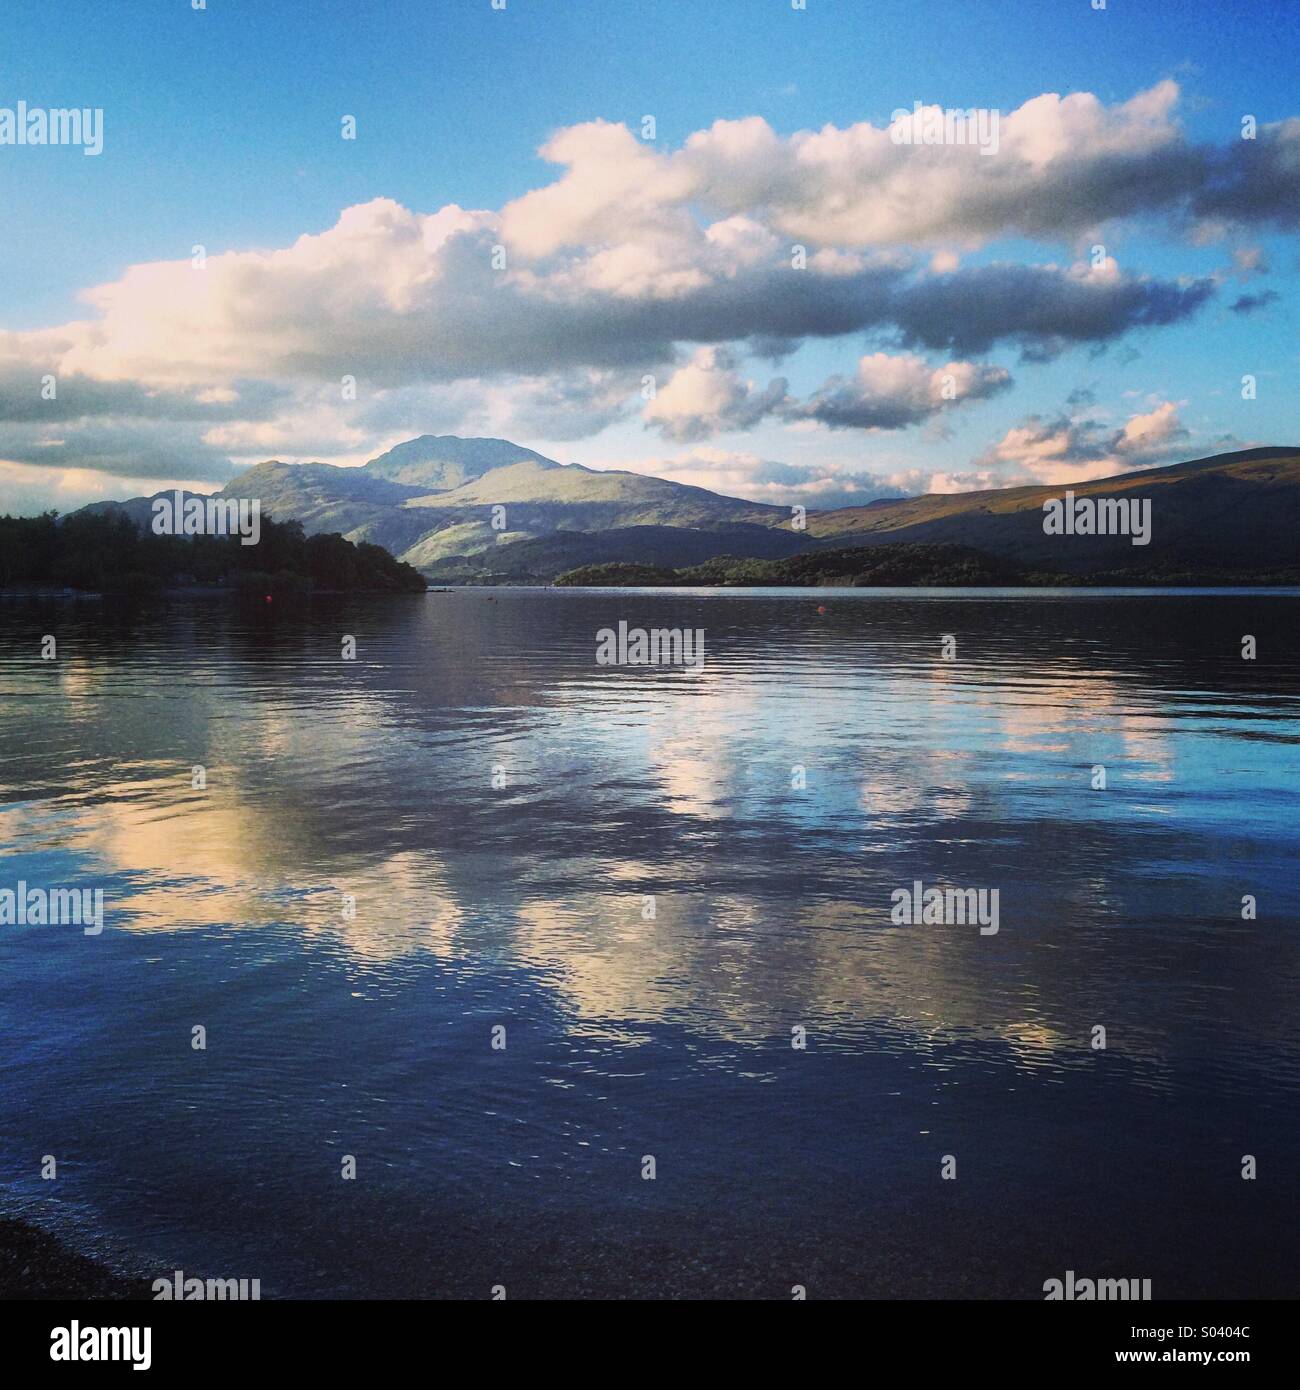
x: 1230, y: 513
x: 877, y: 566
x: 425, y: 527
x: 896, y: 564
x: 1227, y: 512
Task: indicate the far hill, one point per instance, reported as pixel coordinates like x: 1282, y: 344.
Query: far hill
x: 489, y: 511
x: 883, y: 566
x: 538, y: 561
x: 452, y: 506
x: 108, y: 551
x: 1231, y: 512
x: 898, y: 564
x: 441, y: 462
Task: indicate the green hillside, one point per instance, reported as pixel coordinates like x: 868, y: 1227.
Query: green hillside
x: 489, y: 511
x: 1231, y: 512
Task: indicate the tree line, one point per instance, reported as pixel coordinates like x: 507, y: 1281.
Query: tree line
x: 108, y: 553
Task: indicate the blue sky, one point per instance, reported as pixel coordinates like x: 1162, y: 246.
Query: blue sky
x: 222, y: 128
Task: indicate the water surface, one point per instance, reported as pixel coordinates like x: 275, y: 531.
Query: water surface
x: 500, y: 807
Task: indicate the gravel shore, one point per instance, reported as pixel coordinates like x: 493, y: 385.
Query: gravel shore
x: 35, y: 1265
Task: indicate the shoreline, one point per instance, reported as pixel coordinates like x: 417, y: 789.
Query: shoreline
x: 34, y: 1265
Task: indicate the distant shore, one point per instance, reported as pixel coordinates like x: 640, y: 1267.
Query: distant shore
x: 36, y: 1265
x: 173, y: 591
x: 909, y: 565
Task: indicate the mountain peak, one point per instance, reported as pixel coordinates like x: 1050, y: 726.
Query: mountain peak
x: 440, y: 462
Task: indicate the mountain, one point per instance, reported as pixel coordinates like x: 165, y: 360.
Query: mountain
x: 441, y: 462
x: 1238, y: 511
x: 103, y: 550
x: 881, y: 566
x: 454, y: 507
x: 541, y: 559
x: 487, y: 510
x: 356, y: 503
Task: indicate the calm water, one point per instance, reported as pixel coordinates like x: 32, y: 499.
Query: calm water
x: 521, y: 905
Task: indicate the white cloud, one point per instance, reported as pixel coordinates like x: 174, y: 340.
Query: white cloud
x: 891, y: 392
x: 1072, y: 450
x: 1065, y: 164
x: 708, y: 396
x: 642, y: 260
x: 738, y: 473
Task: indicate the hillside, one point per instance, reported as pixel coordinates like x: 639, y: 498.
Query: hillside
x: 489, y: 511
x: 431, y: 502
x: 899, y: 564
x: 106, y: 551
x: 1237, y: 511
x: 441, y: 462
x: 886, y: 566
x: 540, y: 560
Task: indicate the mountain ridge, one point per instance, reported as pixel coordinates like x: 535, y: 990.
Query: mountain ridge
x: 1220, y: 512
x: 450, y: 459
x: 488, y: 510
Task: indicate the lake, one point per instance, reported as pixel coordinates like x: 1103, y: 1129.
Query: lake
x: 650, y: 884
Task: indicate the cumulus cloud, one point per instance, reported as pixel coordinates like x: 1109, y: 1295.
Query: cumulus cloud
x: 708, y: 396
x: 1255, y: 182
x: 130, y: 448
x: 400, y: 300
x: 748, y: 475
x: 395, y: 297
x: 1249, y: 303
x: 561, y: 406
x: 1043, y: 308
x: 890, y: 393
x: 26, y: 490
x: 1064, y: 167
x: 1066, y: 450
x: 542, y: 318
x: 1064, y: 164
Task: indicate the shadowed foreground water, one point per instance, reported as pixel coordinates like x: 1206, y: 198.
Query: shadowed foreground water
x: 521, y: 905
